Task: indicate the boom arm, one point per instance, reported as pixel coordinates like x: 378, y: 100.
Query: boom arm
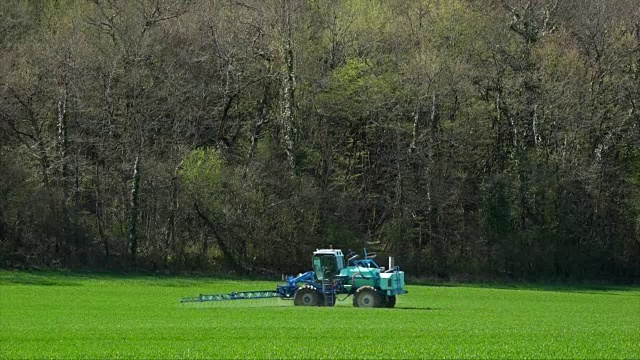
x: 282, y: 291
x: 287, y: 290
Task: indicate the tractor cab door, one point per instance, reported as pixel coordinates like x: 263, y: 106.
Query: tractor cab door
x: 325, y: 266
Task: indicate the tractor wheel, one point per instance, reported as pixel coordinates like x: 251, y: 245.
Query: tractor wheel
x: 307, y: 296
x: 390, y: 301
x: 366, y: 296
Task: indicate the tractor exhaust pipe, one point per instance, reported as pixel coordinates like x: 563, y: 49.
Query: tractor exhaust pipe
x: 391, y: 263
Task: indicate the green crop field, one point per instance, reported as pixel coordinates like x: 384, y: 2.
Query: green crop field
x: 58, y: 315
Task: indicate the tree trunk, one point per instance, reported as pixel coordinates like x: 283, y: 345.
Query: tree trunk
x: 99, y: 219
x: 64, y: 169
x: 133, y: 216
x: 226, y: 253
x: 433, y: 224
x: 413, y: 147
x: 431, y: 128
x: 289, y: 87
x: 63, y: 140
x: 173, y: 206
x: 261, y: 119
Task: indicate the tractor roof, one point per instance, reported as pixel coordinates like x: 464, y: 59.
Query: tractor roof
x: 337, y: 252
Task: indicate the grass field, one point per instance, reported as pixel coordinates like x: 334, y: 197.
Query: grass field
x: 58, y: 315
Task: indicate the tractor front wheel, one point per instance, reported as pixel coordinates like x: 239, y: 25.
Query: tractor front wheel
x: 366, y: 296
x: 307, y: 296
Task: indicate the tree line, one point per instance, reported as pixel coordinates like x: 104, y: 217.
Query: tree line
x: 468, y: 138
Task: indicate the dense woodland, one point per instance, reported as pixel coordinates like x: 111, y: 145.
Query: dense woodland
x: 471, y: 139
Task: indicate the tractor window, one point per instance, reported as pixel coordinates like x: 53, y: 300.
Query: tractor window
x: 325, y: 266
x: 340, y: 261
x: 317, y: 267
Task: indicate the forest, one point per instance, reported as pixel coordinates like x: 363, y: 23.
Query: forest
x: 470, y: 139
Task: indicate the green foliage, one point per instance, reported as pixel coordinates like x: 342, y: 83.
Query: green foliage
x: 202, y: 170
x: 357, y: 92
x: 344, y: 97
x: 62, y: 315
x: 474, y: 136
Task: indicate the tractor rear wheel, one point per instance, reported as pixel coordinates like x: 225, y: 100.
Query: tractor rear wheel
x: 366, y: 296
x: 307, y: 296
x: 390, y: 301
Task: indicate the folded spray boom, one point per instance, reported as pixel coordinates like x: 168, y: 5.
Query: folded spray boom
x: 285, y: 291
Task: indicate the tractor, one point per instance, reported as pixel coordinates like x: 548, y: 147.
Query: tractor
x: 333, y: 274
